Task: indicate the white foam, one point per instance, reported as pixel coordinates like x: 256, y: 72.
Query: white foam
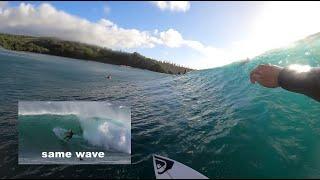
x: 112, y: 130
x: 78, y: 108
x: 109, y: 135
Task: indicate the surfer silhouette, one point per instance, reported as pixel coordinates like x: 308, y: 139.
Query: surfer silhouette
x: 69, y: 135
x: 300, y: 79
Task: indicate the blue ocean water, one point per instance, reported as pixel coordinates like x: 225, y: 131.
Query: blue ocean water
x: 212, y: 120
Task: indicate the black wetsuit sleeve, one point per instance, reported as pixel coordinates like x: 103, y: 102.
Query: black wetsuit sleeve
x: 307, y: 83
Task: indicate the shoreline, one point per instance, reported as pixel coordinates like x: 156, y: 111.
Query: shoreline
x: 75, y: 59
x: 77, y: 50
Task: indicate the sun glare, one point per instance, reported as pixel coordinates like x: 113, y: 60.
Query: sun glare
x: 281, y: 23
x: 299, y: 68
x: 278, y: 24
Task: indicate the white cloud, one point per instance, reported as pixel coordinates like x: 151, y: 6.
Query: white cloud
x: 46, y: 20
x: 171, y: 38
x: 181, y: 6
x: 210, y: 56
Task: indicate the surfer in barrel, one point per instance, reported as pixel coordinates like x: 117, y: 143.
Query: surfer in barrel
x: 296, y: 78
x: 68, y: 135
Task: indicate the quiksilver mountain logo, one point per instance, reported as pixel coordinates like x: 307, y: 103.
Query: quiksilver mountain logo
x: 162, y: 164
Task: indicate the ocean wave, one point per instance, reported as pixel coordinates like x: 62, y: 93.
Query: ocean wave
x: 78, y: 108
x: 100, y: 124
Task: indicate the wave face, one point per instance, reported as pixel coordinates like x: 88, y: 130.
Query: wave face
x: 213, y: 120
x: 97, y: 126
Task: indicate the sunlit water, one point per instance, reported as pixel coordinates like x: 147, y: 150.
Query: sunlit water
x: 212, y: 120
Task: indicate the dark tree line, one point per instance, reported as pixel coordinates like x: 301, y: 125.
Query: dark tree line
x: 54, y: 46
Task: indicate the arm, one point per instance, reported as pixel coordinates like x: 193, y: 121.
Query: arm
x: 307, y: 82
x: 299, y: 80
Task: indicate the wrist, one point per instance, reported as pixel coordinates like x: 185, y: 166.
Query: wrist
x: 279, y: 76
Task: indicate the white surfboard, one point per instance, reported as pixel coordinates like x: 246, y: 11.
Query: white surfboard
x: 165, y: 168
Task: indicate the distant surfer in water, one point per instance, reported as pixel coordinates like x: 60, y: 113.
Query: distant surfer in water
x: 245, y: 61
x: 69, y: 135
x: 300, y: 79
x: 109, y: 76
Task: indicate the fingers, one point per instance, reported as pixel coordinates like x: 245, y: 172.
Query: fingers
x: 266, y: 75
x: 252, y: 79
x: 262, y: 68
x: 256, y: 78
x: 256, y: 74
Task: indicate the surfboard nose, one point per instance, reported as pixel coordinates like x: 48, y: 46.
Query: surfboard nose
x: 165, y: 168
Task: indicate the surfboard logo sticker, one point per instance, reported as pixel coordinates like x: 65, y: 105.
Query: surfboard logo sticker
x: 165, y: 168
x: 163, y: 165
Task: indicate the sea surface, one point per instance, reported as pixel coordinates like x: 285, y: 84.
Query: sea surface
x: 212, y: 120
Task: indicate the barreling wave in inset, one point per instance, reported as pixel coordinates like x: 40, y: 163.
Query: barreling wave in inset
x: 99, y: 124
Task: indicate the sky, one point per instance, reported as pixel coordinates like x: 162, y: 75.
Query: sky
x: 198, y: 35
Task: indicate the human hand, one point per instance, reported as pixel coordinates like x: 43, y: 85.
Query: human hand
x: 266, y: 75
